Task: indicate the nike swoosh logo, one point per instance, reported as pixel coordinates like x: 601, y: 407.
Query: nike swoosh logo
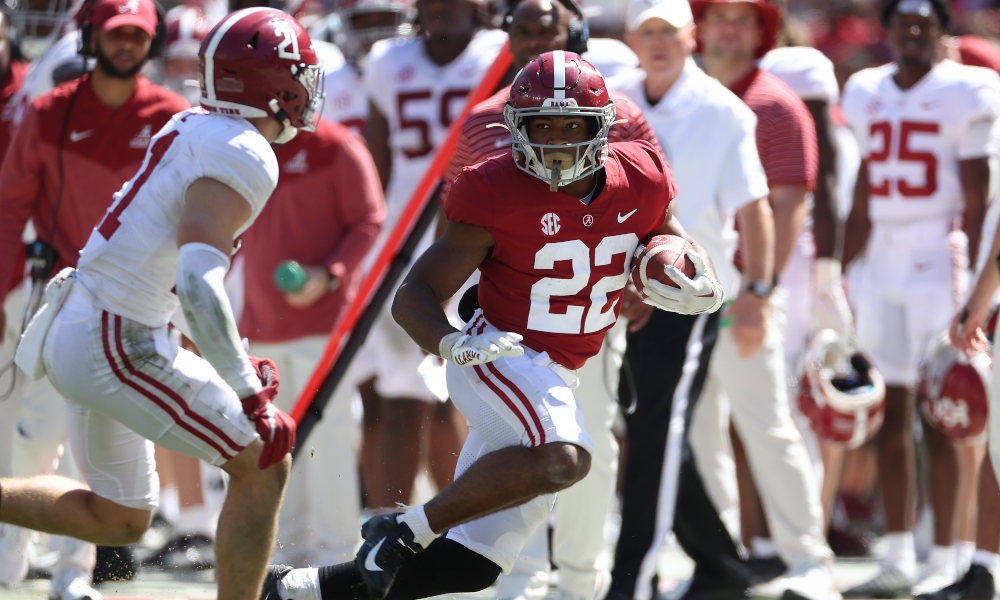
x: 370, y: 559
x: 622, y: 219
x: 76, y: 136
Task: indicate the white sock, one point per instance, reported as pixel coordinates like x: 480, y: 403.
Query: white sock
x: 417, y: 521
x: 942, y: 556
x: 963, y: 555
x: 990, y: 560
x: 300, y: 584
x: 763, y: 548
x: 900, y: 552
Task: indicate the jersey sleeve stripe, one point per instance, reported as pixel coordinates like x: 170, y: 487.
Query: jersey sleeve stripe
x: 178, y: 418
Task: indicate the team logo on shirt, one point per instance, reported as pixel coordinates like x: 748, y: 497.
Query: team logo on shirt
x: 874, y: 107
x: 405, y: 74
x: 588, y: 220
x: 132, y: 6
x: 549, y: 225
x: 141, y: 139
x: 298, y: 163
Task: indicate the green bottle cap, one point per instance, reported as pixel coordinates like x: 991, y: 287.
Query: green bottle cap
x: 289, y: 276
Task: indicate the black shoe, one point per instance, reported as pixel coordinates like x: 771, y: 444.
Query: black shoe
x: 387, y: 543
x: 273, y: 575
x: 190, y: 552
x: 765, y: 569
x: 977, y: 584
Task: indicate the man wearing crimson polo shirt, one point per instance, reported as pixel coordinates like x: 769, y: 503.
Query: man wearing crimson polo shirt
x: 73, y: 150
x: 537, y: 26
x: 325, y: 214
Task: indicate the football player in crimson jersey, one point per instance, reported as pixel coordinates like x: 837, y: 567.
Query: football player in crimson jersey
x: 164, y: 244
x: 554, y: 266
x: 914, y: 228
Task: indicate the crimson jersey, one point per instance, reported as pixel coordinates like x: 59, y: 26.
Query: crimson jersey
x: 559, y: 267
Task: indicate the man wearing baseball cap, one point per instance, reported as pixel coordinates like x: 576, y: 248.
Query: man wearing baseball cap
x: 74, y: 148
x: 707, y: 134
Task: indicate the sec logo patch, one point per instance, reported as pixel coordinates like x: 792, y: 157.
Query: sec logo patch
x: 549, y: 225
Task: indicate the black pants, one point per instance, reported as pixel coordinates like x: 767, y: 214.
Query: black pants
x: 654, y: 364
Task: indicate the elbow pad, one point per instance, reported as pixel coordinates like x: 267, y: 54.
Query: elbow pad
x: 201, y: 269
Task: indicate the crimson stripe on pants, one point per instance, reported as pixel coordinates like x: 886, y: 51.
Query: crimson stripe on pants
x: 524, y: 400
x: 105, y: 333
x: 171, y: 393
x: 506, y: 400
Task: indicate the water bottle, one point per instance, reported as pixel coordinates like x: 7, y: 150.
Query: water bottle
x: 289, y: 276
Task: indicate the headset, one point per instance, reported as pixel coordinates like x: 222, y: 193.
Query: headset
x: 87, y: 28
x: 579, y: 32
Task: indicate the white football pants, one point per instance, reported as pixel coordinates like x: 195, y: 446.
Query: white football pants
x: 581, y: 511
x: 319, y: 523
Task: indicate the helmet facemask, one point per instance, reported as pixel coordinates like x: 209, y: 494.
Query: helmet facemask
x: 310, y: 78
x: 562, y: 164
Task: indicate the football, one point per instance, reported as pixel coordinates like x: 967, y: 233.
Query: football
x: 652, y: 257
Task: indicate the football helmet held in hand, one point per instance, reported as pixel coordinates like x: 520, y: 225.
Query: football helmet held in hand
x: 840, y: 392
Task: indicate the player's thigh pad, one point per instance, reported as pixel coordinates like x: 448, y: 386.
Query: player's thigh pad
x: 135, y: 375
x: 518, y: 401
x: 499, y: 536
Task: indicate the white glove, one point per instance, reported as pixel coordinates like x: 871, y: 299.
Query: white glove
x: 694, y: 296
x: 468, y: 350
x: 830, y: 309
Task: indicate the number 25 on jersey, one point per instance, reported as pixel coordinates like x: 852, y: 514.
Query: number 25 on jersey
x: 573, y: 321
x: 904, y: 153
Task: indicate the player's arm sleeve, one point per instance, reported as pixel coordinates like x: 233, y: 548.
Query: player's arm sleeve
x: 470, y: 199
x: 20, y: 185
x: 244, y: 163
x: 743, y: 179
x: 979, y: 136
x: 355, y: 186
x: 201, y: 271
x: 786, y: 142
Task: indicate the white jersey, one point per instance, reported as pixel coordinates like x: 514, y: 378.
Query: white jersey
x: 40, y: 78
x: 346, y: 101
x: 806, y: 70
x: 420, y: 99
x: 130, y: 260
x: 914, y: 139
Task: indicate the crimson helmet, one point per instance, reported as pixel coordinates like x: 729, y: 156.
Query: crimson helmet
x: 186, y: 28
x: 954, y: 390
x: 560, y: 84
x: 259, y: 62
x: 355, y: 39
x: 841, y: 393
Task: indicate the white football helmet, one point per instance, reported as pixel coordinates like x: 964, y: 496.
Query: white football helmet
x: 364, y: 22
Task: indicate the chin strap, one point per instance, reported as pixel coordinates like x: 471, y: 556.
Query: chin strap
x: 289, y: 132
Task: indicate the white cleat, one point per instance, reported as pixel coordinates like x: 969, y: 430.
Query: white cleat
x: 935, y: 577
x: 889, y: 582
x: 813, y: 582
x: 13, y: 554
x: 72, y: 584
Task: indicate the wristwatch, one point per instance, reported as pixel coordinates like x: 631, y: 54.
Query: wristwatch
x: 760, y: 288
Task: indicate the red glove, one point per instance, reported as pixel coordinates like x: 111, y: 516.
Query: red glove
x: 276, y: 429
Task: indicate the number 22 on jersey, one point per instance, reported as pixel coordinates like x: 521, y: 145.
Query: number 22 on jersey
x: 904, y: 153
x: 574, y: 321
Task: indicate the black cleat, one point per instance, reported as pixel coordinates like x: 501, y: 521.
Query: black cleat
x: 387, y: 543
x: 977, y: 584
x: 273, y: 575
